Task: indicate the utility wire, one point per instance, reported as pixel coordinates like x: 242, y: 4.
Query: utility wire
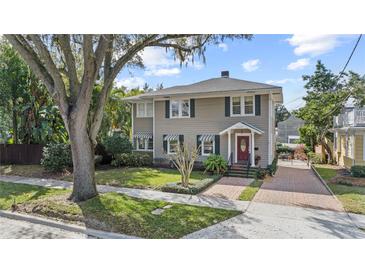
x: 352, y: 53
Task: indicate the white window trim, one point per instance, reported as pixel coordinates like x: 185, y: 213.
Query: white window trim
x: 144, y: 110
x: 207, y: 154
x: 242, y: 100
x: 180, y: 101
x: 145, y: 145
x: 168, y: 147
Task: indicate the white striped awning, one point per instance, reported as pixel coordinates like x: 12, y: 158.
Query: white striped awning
x: 207, y: 137
x: 143, y: 135
x: 171, y: 137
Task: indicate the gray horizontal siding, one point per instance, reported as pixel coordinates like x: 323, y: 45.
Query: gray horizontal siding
x: 141, y: 124
x: 210, y: 119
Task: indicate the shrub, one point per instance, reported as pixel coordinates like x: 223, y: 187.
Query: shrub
x: 284, y: 149
x: 261, y: 173
x: 192, y: 189
x: 117, y: 144
x: 131, y: 160
x: 299, y: 153
x: 56, y: 157
x: 215, y: 163
x: 273, y: 166
x: 314, y: 157
x: 358, y: 171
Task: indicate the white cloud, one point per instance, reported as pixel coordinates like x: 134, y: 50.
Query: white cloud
x: 313, y: 45
x: 163, y: 72
x: 131, y: 82
x: 156, y: 57
x: 251, y: 65
x: 281, y: 81
x: 299, y: 64
x: 223, y: 46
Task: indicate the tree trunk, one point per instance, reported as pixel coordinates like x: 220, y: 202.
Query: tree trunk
x: 328, y: 149
x: 83, y: 164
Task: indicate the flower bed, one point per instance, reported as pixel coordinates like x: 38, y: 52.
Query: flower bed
x: 193, y: 189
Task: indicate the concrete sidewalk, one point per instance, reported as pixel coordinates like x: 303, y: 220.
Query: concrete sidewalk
x: 196, y: 200
x: 268, y: 221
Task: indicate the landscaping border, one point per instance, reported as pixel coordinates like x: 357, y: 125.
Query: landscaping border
x: 64, y: 226
x: 198, y: 187
x: 323, y: 182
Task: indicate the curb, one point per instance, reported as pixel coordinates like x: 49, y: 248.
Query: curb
x: 61, y: 225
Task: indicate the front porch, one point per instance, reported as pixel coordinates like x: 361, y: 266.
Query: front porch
x: 241, y: 143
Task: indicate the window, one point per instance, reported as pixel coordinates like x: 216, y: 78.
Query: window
x: 242, y: 105
x: 149, y: 109
x: 144, y: 110
x: 175, y: 108
x: 207, y: 148
x: 248, y: 104
x: 172, y: 146
x: 236, y: 105
x: 179, y: 108
x: 144, y: 144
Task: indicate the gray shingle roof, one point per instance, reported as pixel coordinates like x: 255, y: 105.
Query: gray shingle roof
x: 210, y: 85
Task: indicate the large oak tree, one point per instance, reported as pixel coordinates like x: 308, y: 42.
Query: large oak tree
x: 70, y: 66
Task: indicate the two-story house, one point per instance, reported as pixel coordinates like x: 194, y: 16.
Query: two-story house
x: 231, y: 117
x: 349, y: 136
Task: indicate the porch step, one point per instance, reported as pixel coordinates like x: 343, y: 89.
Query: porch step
x: 251, y: 173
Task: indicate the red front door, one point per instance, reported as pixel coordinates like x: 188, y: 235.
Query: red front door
x: 242, y: 147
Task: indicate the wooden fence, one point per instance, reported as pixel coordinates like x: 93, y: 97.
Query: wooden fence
x: 21, y: 154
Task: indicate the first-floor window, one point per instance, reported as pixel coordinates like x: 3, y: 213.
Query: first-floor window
x: 207, y: 147
x: 172, y: 146
x: 144, y: 144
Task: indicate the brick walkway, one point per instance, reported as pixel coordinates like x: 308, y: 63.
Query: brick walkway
x: 297, y: 185
x: 227, y: 188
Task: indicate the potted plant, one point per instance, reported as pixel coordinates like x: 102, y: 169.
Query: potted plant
x: 257, y: 159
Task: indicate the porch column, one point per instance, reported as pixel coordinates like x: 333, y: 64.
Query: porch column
x: 229, y: 144
x: 252, y: 148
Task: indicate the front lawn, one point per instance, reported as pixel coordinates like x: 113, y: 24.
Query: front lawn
x: 351, y: 197
x: 114, y: 212
x: 141, y: 177
x: 327, y: 172
x: 18, y: 193
x: 250, y: 191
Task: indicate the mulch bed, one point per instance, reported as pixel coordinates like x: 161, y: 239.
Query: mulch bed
x: 344, y: 177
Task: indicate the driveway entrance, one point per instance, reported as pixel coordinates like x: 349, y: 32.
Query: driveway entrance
x: 295, y: 184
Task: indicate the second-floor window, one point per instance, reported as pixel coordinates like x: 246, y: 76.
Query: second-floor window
x: 144, y: 109
x: 242, y: 105
x: 180, y: 108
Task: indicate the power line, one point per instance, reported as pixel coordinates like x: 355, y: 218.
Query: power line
x: 352, y: 53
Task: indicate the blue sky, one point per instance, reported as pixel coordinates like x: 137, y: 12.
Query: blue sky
x: 276, y: 59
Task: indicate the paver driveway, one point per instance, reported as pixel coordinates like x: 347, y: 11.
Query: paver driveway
x: 227, y: 188
x: 295, y: 184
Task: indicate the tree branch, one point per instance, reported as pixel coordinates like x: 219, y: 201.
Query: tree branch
x: 64, y: 41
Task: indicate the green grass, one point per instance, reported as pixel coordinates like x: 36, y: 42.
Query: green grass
x: 113, y: 212
x: 152, y: 178
x: 351, y: 197
x: 326, y: 173
x: 19, y: 193
x: 250, y: 191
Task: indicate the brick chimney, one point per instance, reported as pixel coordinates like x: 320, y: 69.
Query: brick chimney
x: 225, y: 74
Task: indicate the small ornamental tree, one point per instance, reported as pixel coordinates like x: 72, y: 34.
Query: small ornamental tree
x: 184, y: 160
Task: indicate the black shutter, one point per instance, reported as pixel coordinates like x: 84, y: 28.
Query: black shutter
x: 198, y: 143
x: 192, y: 107
x: 167, y: 109
x: 257, y: 105
x: 181, y: 139
x: 164, y: 144
x: 217, y: 144
x: 227, y: 106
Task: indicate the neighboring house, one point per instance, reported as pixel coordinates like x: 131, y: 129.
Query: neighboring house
x: 349, y: 136
x: 231, y: 117
x: 288, y: 130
